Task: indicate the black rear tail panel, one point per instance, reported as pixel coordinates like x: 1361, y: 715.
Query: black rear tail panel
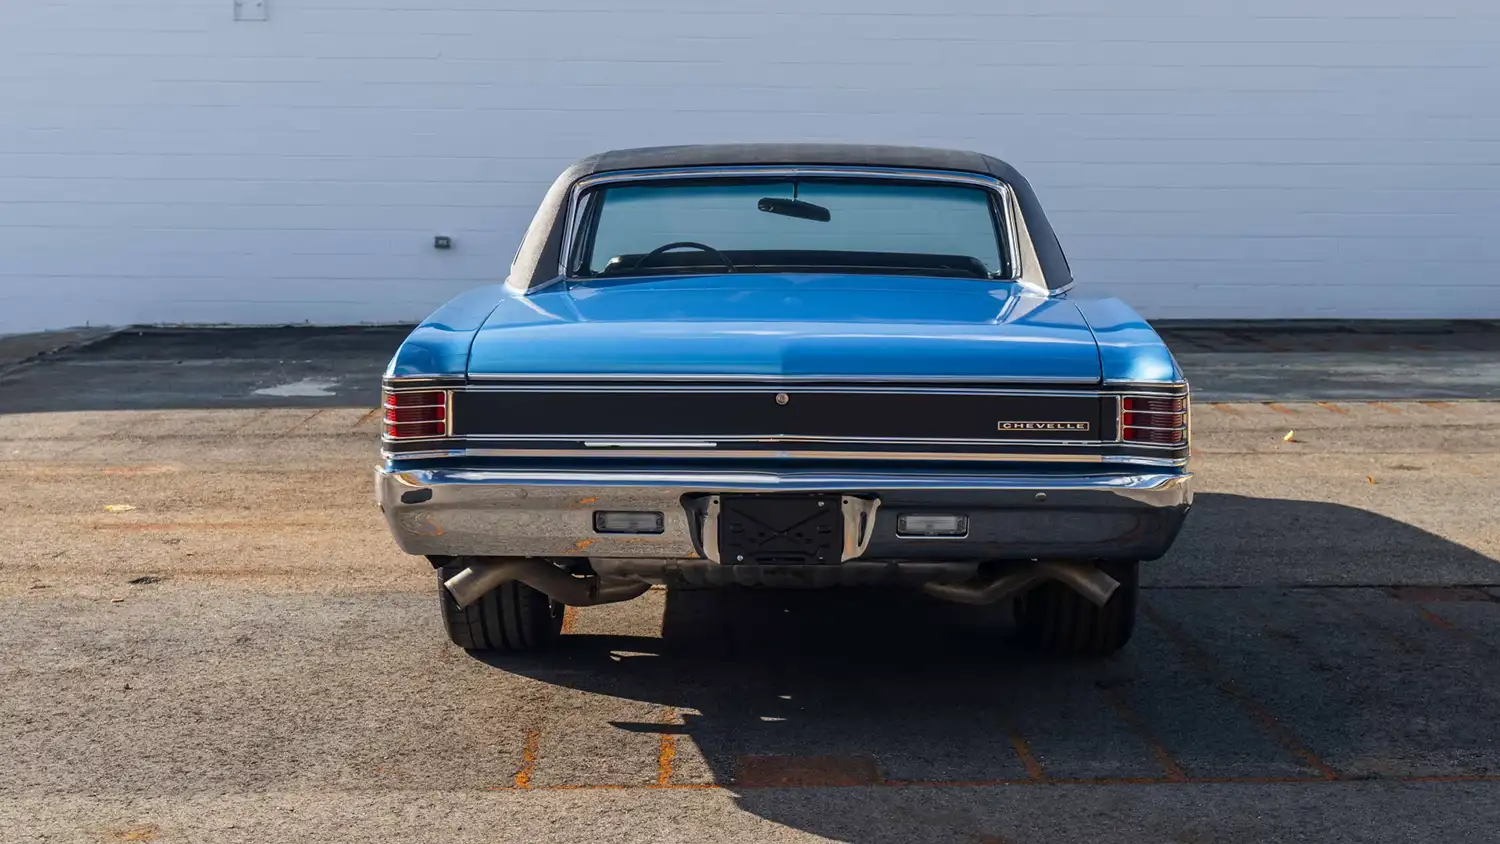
x: 788, y: 413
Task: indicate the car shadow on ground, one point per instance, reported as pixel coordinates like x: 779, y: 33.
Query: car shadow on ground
x: 859, y: 699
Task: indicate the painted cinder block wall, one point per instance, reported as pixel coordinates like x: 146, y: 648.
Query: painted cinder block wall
x: 161, y: 161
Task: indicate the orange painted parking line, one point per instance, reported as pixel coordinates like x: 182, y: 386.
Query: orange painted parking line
x: 310, y: 418
x: 152, y: 527
x: 570, y: 615
x: 1034, y: 768
x: 528, y: 759
x: 1439, y: 594
x: 1438, y: 621
x: 1230, y: 689
x: 1280, y: 408
x: 666, y: 754
x: 1220, y: 406
x: 1328, y: 405
x: 1333, y: 596
x: 1440, y: 405
x: 1386, y: 407
x: 1138, y: 724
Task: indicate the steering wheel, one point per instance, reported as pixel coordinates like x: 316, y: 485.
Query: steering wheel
x: 683, y: 244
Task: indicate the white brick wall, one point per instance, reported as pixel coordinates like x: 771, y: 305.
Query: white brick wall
x: 160, y: 162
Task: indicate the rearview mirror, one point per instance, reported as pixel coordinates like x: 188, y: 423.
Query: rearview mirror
x: 795, y: 208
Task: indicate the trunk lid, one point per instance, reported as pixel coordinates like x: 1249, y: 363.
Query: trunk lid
x: 789, y: 326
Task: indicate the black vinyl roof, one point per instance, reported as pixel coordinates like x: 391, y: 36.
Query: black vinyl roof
x: 851, y: 155
x: 537, y: 261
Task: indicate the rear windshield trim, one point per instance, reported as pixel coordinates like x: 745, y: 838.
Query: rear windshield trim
x: 1005, y: 204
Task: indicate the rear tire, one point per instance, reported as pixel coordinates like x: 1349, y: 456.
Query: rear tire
x: 1058, y: 621
x: 511, y: 617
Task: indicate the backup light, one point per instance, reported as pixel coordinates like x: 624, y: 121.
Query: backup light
x: 929, y: 524
x: 618, y: 521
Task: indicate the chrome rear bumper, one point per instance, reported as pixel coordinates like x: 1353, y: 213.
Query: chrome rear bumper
x: 485, y: 512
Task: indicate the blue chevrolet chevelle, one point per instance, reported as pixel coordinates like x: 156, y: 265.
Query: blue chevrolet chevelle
x: 786, y: 366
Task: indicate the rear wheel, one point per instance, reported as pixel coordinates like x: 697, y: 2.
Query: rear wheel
x: 510, y: 617
x: 1057, y: 620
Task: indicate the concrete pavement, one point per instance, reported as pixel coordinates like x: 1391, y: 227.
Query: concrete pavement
x: 206, y: 635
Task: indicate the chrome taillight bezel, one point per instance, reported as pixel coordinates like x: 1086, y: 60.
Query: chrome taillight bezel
x: 1174, y: 410
x: 393, y: 401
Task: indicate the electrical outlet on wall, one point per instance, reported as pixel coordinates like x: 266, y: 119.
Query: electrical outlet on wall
x: 251, y: 10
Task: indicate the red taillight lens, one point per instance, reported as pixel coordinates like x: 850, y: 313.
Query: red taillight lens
x: 426, y: 398
x: 437, y: 413
x: 417, y: 414
x: 1154, y: 421
x: 1155, y: 405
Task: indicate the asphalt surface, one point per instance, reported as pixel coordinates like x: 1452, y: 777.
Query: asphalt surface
x: 206, y: 635
x: 153, y: 369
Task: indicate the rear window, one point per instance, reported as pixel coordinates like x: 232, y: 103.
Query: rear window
x: 781, y: 224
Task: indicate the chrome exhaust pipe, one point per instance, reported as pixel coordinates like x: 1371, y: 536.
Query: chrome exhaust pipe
x: 1084, y: 578
x: 484, y: 575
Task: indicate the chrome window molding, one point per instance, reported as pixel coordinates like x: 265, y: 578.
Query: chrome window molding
x: 1020, y: 254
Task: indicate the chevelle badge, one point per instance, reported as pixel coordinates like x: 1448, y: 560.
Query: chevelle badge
x: 1042, y: 426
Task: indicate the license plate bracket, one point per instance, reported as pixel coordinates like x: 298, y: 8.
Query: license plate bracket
x: 781, y: 529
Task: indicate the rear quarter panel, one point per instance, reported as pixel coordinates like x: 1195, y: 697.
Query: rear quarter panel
x: 440, y: 344
x: 1129, y: 348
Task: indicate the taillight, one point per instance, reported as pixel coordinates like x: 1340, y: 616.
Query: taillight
x: 418, y: 414
x: 1153, y: 420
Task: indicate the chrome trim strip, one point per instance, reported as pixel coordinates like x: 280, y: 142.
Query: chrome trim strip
x: 666, y: 382
x: 1155, y: 428
x: 1178, y: 385
x: 771, y: 387
x: 1145, y: 461
x: 623, y: 443
x: 1007, y: 196
x: 768, y: 454
x: 708, y: 381
x: 419, y: 383
x: 795, y: 481
x: 712, y: 440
